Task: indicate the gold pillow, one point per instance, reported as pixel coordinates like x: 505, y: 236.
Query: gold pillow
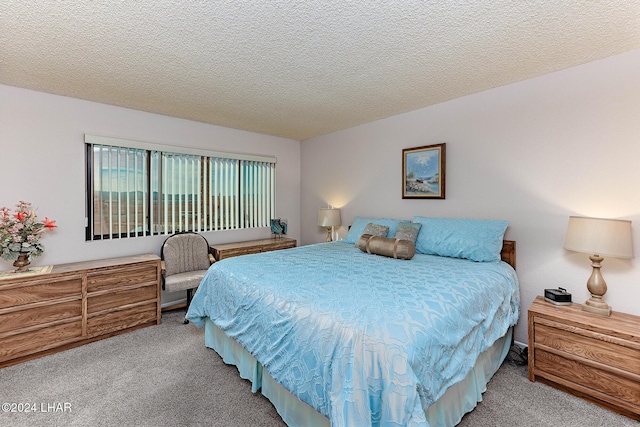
x: 386, y: 246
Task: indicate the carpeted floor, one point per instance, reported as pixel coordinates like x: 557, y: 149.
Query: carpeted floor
x: 164, y: 376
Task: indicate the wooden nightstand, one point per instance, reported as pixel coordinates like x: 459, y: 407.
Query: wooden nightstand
x: 593, y: 357
x: 228, y: 250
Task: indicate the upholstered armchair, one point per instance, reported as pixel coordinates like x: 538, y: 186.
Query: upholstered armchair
x: 185, y: 260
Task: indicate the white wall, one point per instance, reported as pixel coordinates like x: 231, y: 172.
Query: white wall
x: 42, y: 161
x: 532, y: 153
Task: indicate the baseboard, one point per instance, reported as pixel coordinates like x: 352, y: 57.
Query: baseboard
x: 174, y: 306
x: 521, y: 345
x: 518, y: 354
x: 173, y: 302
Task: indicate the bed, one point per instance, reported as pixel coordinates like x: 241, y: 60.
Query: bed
x: 336, y: 336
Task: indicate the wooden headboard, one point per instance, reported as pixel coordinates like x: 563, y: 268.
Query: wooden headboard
x: 508, y: 253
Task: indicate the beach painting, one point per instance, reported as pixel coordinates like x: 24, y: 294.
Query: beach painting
x: 423, y: 172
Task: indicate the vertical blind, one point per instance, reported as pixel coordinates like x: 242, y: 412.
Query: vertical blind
x: 140, y: 189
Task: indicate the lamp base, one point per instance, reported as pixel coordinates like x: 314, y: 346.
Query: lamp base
x: 593, y: 305
x: 329, y: 237
x: 597, y: 288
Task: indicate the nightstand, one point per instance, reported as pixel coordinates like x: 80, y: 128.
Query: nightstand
x: 228, y: 250
x: 593, y: 357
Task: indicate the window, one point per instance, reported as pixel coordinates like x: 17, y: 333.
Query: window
x: 140, y: 189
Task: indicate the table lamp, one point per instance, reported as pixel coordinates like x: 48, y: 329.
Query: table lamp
x: 598, y: 237
x: 328, y: 217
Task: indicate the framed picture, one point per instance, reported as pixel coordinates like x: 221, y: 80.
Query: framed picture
x: 278, y: 227
x: 423, y: 172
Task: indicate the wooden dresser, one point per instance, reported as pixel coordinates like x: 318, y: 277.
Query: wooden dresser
x: 75, y: 304
x: 591, y: 356
x: 228, y: 250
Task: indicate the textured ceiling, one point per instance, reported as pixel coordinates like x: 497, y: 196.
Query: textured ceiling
x: 298, y: 69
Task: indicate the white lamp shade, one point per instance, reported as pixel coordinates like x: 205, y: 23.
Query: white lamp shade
x: 328, y: 217
x: 597, y: 236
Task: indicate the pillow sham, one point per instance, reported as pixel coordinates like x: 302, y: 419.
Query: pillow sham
x: 474, y: 239
x: 408, y: 231
x: 386, y: 246
x: 359, y: 223
x: 376, y: 229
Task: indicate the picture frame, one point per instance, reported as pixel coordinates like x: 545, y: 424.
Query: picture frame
x: 424, y: 172
x: 278, y: 227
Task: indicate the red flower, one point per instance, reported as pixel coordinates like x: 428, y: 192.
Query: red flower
x: 20, y: 216
x: 49, y: 223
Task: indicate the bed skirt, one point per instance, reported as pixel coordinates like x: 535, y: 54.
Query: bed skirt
x: 446, y: 411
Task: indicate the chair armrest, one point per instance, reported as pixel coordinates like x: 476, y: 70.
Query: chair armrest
x: 211, y: 259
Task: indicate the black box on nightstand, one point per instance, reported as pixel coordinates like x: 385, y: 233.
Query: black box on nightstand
x: 558, y: 296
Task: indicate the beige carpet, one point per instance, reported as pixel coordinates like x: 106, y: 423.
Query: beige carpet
x: 164, y: 376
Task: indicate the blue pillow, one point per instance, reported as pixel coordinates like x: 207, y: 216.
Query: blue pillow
x: 359, y: 223
x: 474, y: 239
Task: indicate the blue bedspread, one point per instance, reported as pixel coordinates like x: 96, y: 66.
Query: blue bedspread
x: 363, y: 339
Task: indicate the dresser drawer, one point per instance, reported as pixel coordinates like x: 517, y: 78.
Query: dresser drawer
x: 116, y: 320
x: 612, y: 386
x: 587, y: 345
x: 240, y: 252
x: 34, y: 341
x: 122, y: 297
x: 111, y: 279
x: 40, y: 290
x: 39, y: 314
x: 228, y: 250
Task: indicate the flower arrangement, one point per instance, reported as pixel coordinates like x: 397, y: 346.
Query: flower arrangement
x: 20, y: 232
